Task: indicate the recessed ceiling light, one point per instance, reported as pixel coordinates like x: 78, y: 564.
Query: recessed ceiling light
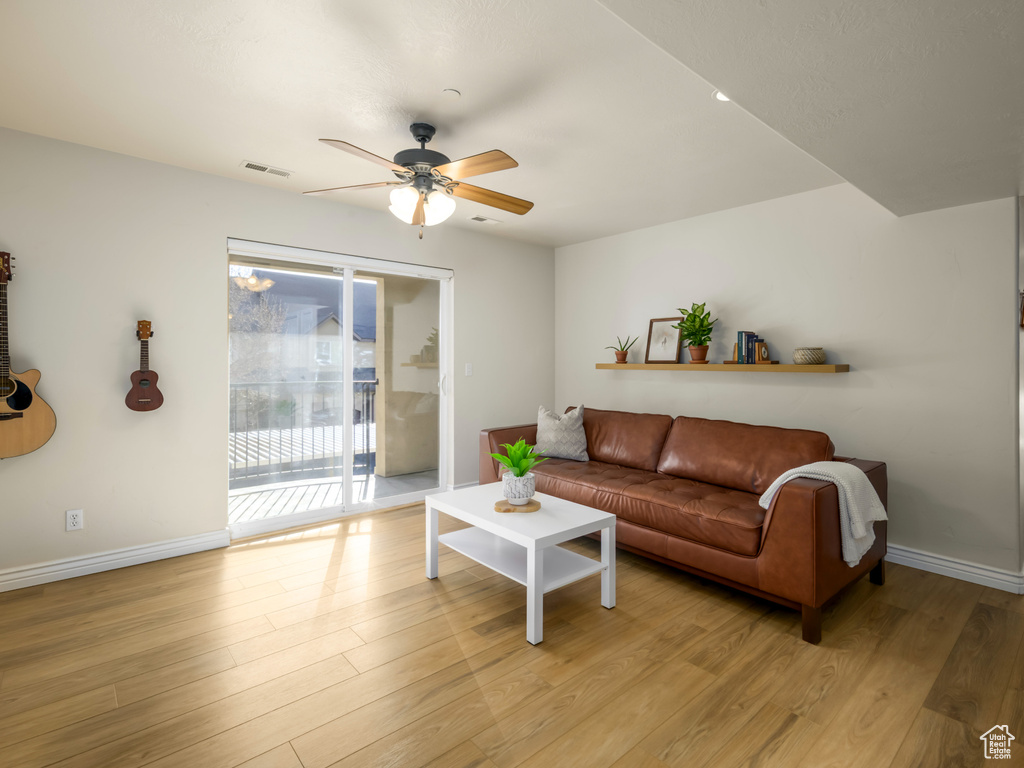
x: 451, y: 93
x: 721, y: 96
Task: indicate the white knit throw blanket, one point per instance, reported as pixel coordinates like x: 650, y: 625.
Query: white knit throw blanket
x: 859, y: 505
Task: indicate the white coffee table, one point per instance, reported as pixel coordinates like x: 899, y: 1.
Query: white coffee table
x: 523, y: 546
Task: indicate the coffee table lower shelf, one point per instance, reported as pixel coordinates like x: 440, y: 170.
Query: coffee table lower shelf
x: 561, y: 567
x: 524, y: 547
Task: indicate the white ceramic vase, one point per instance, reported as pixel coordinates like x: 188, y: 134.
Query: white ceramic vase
x: 518, y: 490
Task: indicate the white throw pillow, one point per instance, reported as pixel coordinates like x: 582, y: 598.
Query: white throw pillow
x: 561, y: 435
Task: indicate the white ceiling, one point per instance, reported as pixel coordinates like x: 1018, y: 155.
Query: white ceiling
x: 919, y: 103
x: 612, y: 132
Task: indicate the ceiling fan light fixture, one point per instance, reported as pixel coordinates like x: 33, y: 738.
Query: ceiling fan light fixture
x: 403, y: 203
x: 438, y: 207
x: 428, y: 180
x: 245, y: 277
x: 253, y: 283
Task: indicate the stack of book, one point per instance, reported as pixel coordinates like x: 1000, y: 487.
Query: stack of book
x: 746, y: 347
x: 750, y: 348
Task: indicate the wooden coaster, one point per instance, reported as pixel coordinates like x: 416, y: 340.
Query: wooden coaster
x: 503, y: 506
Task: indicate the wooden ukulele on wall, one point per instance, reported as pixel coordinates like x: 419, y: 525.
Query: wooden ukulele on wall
x: 26, y: 421
x: 144, y: 395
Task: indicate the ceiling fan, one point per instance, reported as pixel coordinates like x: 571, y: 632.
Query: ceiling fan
x: 427, y: 180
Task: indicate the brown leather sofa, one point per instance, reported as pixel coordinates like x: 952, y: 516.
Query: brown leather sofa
x: 686, y: 492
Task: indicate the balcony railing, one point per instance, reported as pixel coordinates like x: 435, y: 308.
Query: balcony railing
x: 294, y: 430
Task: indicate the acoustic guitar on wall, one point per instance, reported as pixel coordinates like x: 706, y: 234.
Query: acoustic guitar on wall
x: 144, y: 395
x: 26, y: 421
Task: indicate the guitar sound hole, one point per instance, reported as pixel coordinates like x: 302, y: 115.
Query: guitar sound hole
x: 22, y: 397
x: 7, y: 387
x: 144, y: 383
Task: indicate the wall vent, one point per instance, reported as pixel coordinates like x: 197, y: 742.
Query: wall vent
x: 484, y: 220
x: 264, y: 168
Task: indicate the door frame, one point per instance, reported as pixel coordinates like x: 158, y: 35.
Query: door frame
x: 347, y: 265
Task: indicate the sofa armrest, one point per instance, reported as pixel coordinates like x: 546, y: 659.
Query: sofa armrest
x: 801, y: 547
x: 491, y: 441
x: 877, y: 474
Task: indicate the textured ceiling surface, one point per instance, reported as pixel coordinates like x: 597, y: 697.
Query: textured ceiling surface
x: 611, y: 132
x: 606, y: 105
x: 919, y: 103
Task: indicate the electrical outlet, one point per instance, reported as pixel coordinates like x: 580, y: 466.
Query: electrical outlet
x: 74, y: 520
x: 469, y: 369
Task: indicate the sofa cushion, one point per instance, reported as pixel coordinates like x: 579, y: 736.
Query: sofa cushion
x: 561, y: 435
x: 741, y: 456
x: 719, y: 517
x: 627, y: 439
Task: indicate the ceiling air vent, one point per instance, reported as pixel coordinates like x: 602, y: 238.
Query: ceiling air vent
x: 264, y: 168
x: 484, y: 220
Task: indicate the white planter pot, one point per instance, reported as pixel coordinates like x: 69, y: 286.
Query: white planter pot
x: 518, y: 490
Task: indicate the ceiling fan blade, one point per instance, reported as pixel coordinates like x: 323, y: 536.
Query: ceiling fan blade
x: 486, y: 162
x: 354, y: 186
x: 352, y: 149
x: 493, y: 199
x: 419, y: 218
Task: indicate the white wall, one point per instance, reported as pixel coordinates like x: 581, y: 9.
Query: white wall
x: 103, y: 240
x: 413, y: 319
x: 923, y: 308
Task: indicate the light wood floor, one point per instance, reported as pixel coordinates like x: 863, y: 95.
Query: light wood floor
x: 329, y: 647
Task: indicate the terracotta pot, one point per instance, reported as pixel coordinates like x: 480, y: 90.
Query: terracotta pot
x: 699, y: 355
x: 620, y: 355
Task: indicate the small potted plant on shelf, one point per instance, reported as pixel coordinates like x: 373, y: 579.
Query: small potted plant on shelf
x: 622, y: 348
x: 695, y: 328
x: 518, y: 483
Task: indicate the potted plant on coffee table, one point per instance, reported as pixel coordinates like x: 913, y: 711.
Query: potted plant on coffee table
x: 518, y: 484
x: 622, y: 348
x: 695, y: 328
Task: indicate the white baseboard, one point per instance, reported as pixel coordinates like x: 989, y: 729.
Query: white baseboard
x: 56, y: 570
x: 997, y: 578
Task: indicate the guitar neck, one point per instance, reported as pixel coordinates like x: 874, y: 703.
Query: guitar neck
x: 5, y: 350
x: 144, y: 356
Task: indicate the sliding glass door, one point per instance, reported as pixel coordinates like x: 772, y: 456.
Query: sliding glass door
x: 405, y: 399
x: 335, y: 396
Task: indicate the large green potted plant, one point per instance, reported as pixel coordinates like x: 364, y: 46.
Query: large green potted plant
x: 518, y: 484
x: 695, y: 328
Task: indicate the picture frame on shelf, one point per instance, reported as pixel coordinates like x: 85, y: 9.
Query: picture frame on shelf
x: 664, y: 343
